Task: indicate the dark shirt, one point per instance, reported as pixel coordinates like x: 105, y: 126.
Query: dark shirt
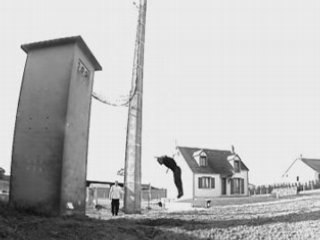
x: 169, y: 163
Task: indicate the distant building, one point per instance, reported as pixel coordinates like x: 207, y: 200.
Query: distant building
x: 98, y: 192
x: 2, y: 171
x: 4, y: 185
x: 210, y: 173
x: 302, y: 170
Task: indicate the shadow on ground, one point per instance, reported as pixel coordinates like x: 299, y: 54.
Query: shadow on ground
x: 191, y: 225
x: 15, y: 225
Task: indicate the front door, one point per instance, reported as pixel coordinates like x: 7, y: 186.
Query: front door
x: 224, y: 186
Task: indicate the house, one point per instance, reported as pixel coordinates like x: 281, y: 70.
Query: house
x: 210, y: 173
x: 302, y: 170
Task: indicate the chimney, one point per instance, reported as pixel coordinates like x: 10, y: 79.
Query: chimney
x: 232, y: 149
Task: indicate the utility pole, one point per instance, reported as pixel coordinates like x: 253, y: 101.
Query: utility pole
x: 132, y: 173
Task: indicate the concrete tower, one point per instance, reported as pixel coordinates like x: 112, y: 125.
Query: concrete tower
x: 132, y: 177
x: 49, y: 156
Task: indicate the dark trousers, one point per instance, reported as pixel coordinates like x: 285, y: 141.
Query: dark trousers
x: 177, y: 180
x: 115, y: 206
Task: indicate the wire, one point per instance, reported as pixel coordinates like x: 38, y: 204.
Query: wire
x: 136, y: 68
x: 123, y: 103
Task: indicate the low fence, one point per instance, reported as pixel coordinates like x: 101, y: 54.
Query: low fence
x: 4, y: 190
x: 4, y: 186
x: 99, y: 194
x: 284, y: 192
x: 297, y: 187
x: 153, y: 194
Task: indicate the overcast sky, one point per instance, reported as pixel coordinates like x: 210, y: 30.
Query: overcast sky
x: 217, y: 73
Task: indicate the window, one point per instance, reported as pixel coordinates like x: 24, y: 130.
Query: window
x: 201, y: 158
x: 206, y: 182
x: 237, y: 166
x: 237, y: 186
x: 203, y: 161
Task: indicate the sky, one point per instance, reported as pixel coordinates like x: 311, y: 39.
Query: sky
x: 217, y: 73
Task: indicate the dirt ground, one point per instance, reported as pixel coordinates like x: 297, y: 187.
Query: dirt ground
x: 296, y: 218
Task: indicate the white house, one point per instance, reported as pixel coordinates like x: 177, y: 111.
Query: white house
x: 210, y: 173
x: 302, y: 170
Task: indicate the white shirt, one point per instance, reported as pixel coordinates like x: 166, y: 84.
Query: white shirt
x: 115, y: 192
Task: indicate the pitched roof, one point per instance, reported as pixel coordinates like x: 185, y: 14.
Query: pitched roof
x: 313, y: 163
x: 217, y: 161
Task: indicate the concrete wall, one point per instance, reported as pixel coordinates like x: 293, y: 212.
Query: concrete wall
x: 39, y: 131
x: 74, y: 167
x: 51, y: 134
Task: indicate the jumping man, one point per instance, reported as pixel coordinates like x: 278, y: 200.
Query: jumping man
x: 171, y: 164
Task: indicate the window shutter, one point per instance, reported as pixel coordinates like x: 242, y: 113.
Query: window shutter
x: 232, y: 190
x: 242, y: 186
x: 199, y: 183
x: 212, y: 183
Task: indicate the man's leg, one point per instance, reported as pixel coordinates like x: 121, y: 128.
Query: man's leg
x: 112, y: 206
x: 117, y: 203
x: 177, y: 181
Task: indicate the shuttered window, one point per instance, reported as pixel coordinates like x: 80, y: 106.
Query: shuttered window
x: 237, y: 186
x: 242, y: 185
x: 206, y: 182
x: 232, y: 187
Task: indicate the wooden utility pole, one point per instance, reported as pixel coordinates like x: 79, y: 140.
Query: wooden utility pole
x: 132, y: 174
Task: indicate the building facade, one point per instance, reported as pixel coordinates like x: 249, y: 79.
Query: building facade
x: 302, y: 170
x: 210, y: 173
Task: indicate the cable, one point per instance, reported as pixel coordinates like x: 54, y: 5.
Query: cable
x: 136, y: 72
x: 123, y: 103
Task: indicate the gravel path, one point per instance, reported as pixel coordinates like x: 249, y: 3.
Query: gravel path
x: 284, y: 219
x: 281, y: 220
x: 287, y: 219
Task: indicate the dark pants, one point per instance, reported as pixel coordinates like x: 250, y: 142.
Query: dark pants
x: 177, y: 180
x: 115, y: 206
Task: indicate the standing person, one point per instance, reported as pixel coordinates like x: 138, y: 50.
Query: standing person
x: 114, y: 196
x: 171, y: 164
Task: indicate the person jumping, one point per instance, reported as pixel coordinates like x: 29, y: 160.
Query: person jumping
x: 171, y: 164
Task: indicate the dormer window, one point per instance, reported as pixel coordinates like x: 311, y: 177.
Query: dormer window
x: 203, y: 162
x: 236, y: 165
x: 201, y: 158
